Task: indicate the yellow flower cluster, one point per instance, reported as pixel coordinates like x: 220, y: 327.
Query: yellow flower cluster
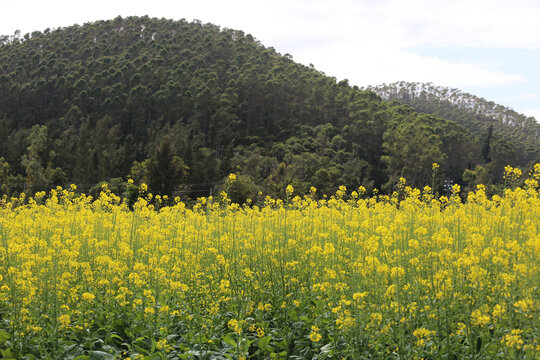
x: 423, y: 334
x: 513, y: 339
x: 370, y: 266
x: 314, y: 334
x: 235, y: 326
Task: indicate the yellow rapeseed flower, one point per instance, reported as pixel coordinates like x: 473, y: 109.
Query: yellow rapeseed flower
x: 314, y: 334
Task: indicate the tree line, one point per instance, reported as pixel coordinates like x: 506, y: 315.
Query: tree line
x: 174, y: 103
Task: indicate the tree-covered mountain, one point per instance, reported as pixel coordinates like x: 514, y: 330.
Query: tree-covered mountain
x: 179, y: 103
x: 509, y: 129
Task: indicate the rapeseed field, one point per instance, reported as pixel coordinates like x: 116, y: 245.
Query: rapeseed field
x: 406, y: 276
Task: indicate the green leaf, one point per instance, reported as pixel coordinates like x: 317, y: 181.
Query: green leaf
x: 140, y: 339
x: 283, y: 344
x: 113, y: 337
x: 327, y: 348
x: 100, y: 355
x: 156, y: 356
x: 263, y: 343
x: 8, y: 354
x: 229, y: 340
x: 140, y: 349
x: 4, y: 336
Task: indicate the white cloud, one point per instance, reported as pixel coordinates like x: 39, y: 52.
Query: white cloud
x: 526, y: 96
x: 499, y: 23
x: 370, y: 64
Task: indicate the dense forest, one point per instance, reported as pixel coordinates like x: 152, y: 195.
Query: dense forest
x: 506, y: 127
x: 180, y: 105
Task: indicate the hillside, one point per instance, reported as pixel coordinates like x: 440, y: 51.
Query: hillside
x: 181, y: 105
x: 476, y: 114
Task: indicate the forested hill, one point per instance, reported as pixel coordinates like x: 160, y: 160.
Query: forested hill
x: 476, y: 114
x: 181, y: 104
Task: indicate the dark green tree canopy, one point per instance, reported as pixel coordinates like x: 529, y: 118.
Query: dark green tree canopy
x: 488, y: 121
x: 106, y: 94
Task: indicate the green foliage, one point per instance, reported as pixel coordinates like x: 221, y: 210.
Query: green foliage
x: 96, y: 101
x: 242, y: 189
x: 4, y: 175
x: 480, y: 175
x: 487, y: 122
x: 165, y: 171
x: 32, y: 160
x: 114, y: 185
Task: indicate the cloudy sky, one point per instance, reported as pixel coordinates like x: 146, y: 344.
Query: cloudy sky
x: 490, y: 48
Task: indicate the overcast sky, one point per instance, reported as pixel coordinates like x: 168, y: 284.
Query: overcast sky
x: 490, y: 48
